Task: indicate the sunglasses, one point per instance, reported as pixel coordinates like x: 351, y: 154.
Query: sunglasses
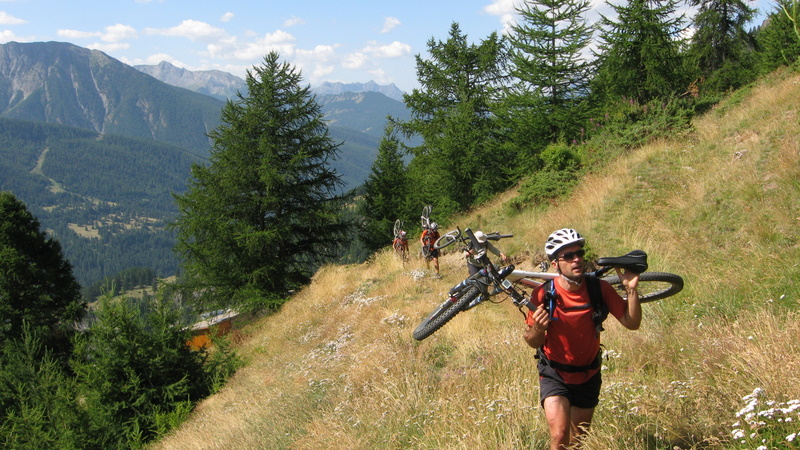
x: 569, y: 256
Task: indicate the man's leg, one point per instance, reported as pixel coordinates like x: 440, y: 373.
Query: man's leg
x: 581, y: 419
x: 557, y: 411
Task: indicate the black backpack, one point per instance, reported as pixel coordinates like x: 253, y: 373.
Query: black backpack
x: 600, y: 309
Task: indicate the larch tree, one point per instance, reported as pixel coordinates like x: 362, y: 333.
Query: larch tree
x: 721, y: 47
x: 551, y: 65
x: 265, y: 213
x: 36, y: 282
x: 385, y: 193
x: 779, y: 38
x: 640, y: 55
x: 458, y: 162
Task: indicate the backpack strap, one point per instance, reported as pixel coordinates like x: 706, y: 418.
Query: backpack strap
x: 550, y: 298
x: 599, y: 306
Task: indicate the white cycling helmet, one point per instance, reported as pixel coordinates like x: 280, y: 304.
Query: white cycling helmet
x: 434, y: 225
x: 560, y: 239
x: 480, y: 236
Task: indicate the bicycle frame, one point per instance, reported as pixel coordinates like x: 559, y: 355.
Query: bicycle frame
x: 491, y: 281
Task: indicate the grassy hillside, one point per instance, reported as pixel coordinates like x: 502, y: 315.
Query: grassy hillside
x: 337, y: 367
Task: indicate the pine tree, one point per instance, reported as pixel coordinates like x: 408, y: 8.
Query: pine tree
x: 640, y: 56
x: 264, y: 214
x: 458, y: 161
x: 39, y: 404
x: 136, y: 372
x: 779, y: 39
x: 37, y: 285
x: 549, y: 60
x: 721, y: 47
x: 386, y: 193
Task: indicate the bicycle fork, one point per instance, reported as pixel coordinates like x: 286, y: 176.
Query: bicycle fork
x: 457, y: 290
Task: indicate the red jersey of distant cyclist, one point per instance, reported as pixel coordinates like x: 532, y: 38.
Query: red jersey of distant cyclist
x: 572, y: 338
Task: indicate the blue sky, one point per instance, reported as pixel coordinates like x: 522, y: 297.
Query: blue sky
x: 347, y: 41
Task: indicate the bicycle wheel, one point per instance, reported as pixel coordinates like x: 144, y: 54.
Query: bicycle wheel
x: 446, y: 240
x: 398, y: 225
x: 652, y: 285
x: 425, y: 218
x: 443, y: 314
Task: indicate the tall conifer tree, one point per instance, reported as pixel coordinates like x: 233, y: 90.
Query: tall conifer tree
x: 640, y: 56
x: 779, y: 38
x: 458, y: 162
x: 386, y: 193
x: 36, y: 285
x: 257, y: 221
x: 721, y: 46
x: 550, y: 60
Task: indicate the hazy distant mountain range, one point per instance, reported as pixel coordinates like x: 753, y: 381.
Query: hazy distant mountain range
x: 223, y: 85
x: 96, y: 148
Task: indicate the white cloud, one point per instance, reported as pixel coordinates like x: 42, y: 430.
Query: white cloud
x: 231, y: 48
x: 112, y: 33
x: 394, y: 50
x: 320, y: 72
x: 379, y: 76
x: 354, y: 60
x: 158, y: 57
x: 76, y: 34
x: 506, y: 9
x: 319, y: 53
x: 389, y: 24
x: 8, y: 36
x: 191, y: 29
x: 7, y: 19
x: 119, y: 32
x: 292, y: 21
x: 227, y: 17
x: 107, y: 48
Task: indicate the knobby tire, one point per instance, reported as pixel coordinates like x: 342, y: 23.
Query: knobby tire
x: 444, y: 241
x: 652, y: 285
x: 443, y: 314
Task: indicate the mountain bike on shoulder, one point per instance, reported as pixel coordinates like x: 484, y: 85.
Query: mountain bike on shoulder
x: 491, y: 281
x: 400, y: 241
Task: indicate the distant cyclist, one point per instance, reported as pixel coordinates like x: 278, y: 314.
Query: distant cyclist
x: 473, y: 264
x: 427, y: 239
x: 400, y: 245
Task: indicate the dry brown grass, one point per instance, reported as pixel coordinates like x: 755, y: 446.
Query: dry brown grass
x: 337, y: 367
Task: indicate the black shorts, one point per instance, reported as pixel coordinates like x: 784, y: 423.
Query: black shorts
x: 433, y: 253
x: 586, y: 395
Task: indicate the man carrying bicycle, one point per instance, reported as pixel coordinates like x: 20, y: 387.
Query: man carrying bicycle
x: 567, y: 339
x: 400, y: 245
x: 473, y: 264
x: 427, y: 239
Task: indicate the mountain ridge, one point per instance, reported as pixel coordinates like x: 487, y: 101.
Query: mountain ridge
x: 223, y: 85
x: 62, y: 83
x: 66, y: 89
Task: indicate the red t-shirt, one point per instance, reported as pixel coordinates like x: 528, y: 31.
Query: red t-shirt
x: 571, y: 337
x: 400, y: 244
x: 429, y: 237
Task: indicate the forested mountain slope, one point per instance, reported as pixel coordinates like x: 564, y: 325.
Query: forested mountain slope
x: 96, y: 148
x: 105, y: 198
x: 60, y: 83
x: 337, y: 367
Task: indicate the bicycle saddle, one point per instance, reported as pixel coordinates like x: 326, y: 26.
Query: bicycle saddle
x: 635, y: 261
